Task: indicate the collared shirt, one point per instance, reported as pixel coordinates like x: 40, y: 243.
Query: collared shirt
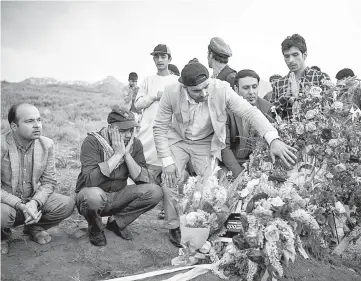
x: 95, y: 170
x: 200, y: 124
x: 281, y: 89
x: 25, y: 154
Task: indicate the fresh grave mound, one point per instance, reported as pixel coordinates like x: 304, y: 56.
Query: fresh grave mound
x: 306, y: 211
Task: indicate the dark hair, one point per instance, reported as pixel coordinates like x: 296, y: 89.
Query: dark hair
x: 245, y: 73
x: 275, y: 76
x: 217, y: 57
x: 133, y: 76
x: 294, y: 41
x: 12, y: 117
x: 315, y: 67
x: 344, y: 73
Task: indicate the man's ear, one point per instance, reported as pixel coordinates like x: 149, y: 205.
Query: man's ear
x: 235, y: 88
x: 13, y: 126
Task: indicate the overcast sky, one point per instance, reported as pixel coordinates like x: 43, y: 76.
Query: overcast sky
x: 91, y: 40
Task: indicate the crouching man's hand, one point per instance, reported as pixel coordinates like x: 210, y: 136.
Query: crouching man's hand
x: 170, y: 175
x: 283, y: 151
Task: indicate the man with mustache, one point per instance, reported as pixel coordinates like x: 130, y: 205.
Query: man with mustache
x: 240, y: 134
x: 286, y: 89
x: 108, y: 158
x: 28, y: 178
x: 191, y: 126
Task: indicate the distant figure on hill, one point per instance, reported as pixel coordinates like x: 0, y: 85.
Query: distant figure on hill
x: 108, y: 158
x: 218, y: 54
x: 129, y: 94
x: 28, y: 179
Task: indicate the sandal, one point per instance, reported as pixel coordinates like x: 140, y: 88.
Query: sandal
x: 40, y: 237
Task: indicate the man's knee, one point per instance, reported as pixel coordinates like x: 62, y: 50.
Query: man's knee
x: 156, y: 193
x: 60, y: 205
x: 8, y: 215
x: 91, y: 198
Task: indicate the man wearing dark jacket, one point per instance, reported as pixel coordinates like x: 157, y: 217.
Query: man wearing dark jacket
x: 218, y: 54
x: 108, y: 158
x: 240, y: 135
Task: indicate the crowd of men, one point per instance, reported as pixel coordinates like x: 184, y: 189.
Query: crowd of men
x: 161, y: 132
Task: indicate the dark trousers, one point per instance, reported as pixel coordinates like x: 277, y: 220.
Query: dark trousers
x: 126, y: 205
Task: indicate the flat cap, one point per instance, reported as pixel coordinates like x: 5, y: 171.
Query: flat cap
x: 220, y: 47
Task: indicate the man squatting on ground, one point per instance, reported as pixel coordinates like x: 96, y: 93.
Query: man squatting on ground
x: 28, y: 178
x: 108, y: 158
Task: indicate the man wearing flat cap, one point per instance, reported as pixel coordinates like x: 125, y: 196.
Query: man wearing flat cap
x: 108, y: 158
x: 191, y: 126
x: 218, y: 54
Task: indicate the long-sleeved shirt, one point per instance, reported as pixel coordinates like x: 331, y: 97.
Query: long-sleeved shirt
x: 200, y: 123
x: 280, y: 96
x: 95, y: 170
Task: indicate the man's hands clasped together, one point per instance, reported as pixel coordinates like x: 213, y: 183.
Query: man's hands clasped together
x: 30, y: 211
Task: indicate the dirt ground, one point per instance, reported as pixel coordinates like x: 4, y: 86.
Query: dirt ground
x: 70, y: 256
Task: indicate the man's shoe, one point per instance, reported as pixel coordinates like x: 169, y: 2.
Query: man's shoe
x: 97, y: 238
x: 175, y: 237
x: 125, y: 233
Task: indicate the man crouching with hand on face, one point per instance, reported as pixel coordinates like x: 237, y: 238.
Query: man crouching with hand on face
x: 108, y: 158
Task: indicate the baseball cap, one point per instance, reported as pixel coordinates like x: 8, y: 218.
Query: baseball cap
x: 161, y: 49
x: 123, y: 118
x: 193, y: 73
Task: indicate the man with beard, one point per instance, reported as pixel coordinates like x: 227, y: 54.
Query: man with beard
x: 108, y: 158
x: 240, y: 134
x: 28, y: 179
x: 286, y: 89
x: 191, y: 126
x: 218, y: 54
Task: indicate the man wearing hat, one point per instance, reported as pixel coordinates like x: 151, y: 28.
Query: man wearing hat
x: 191, y: 126
x: 273, y: 78
x: 218, y: 54
x: 129, y: 94
x: 108, y: 158
x: 150, y: 92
